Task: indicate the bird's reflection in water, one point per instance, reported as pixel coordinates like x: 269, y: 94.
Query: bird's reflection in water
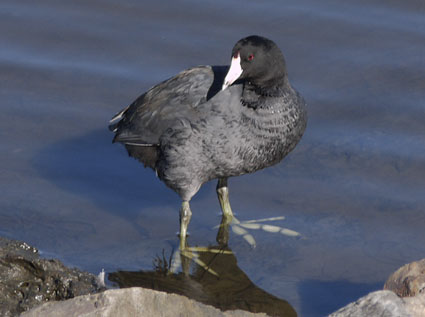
x: 209, y: 275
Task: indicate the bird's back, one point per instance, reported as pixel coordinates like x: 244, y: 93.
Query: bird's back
x: 140, y: 125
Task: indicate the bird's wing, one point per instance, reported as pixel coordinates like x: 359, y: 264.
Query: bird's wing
x: 146, y: 119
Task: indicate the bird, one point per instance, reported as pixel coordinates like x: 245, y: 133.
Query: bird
x: 215, y: 122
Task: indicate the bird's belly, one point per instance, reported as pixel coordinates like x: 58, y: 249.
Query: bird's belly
x: 249, y: 158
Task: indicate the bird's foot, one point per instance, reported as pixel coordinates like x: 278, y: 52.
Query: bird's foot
x: 242, y: 228
x: 192, y: 254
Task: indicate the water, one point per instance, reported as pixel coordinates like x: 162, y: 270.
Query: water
x: 353, y: 188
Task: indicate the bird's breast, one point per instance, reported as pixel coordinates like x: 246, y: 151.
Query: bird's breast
x: 269, y: 135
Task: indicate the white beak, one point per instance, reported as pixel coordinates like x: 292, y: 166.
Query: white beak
x: 234, y: 72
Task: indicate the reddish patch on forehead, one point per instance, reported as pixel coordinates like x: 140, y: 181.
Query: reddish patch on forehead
x: 236, y: 55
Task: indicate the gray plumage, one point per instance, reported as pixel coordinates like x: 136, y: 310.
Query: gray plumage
x: 190, y: 131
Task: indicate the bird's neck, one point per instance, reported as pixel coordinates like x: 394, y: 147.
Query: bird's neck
x: 254, y: 96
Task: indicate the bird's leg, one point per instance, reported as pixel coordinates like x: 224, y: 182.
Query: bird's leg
x: 185, y: 215
x: 223, y: 197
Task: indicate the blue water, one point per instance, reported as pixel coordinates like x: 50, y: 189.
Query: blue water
x: 353, y: 188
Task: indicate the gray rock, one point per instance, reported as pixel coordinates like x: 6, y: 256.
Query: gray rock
x: 26, y: 280
x: 380, y: 303
x: 415, y: 305
x: 133, y: 301
x: 409, y: 280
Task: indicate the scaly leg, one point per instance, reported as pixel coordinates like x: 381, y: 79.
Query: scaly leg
x: 185, y: 215
x: 223, y: 197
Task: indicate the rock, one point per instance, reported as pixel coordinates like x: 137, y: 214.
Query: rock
x: 379, y: 303
x: 415, y: 305
x: 26, y: 280
x: 133, y: 301
x: 409, y: 280
x: 408, y: 283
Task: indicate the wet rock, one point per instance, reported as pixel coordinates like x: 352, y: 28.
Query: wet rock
x: 26, y: 280
x: 134, y: 301
x: 409, y: 280
x: 380, y: 303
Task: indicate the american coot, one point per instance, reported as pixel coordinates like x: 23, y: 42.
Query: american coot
x: 214, y: 122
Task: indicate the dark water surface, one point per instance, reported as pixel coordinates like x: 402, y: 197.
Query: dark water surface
x: 353, y: 188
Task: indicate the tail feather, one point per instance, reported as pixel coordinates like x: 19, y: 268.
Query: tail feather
x: 136, y: 145
x: 116, y: 119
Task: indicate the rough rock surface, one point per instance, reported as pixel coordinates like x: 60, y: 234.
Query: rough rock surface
x: 409, y: 280
x: 415, y: 305
x: 408, y: 283
x: 133, y: 301
x: 26, y: 280
x: 379, y: 303
x: 384, y: 304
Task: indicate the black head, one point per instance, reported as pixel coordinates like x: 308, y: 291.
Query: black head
x: 261, y: 63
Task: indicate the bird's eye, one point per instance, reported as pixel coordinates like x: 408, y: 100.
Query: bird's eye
x: 250, y: 57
